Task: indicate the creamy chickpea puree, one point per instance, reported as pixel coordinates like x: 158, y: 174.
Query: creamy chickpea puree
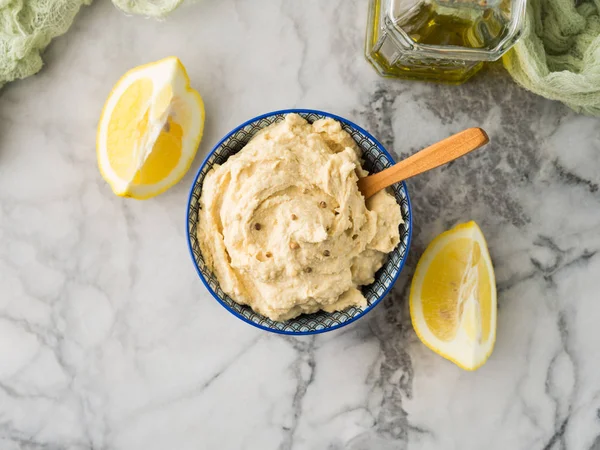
x: 283, y: 225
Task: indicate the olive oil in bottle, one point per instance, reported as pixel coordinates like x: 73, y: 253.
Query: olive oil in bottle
x: 427, y: 26
x: 445, y: 40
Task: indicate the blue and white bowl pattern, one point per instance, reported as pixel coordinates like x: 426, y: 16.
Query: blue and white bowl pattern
x: 376, y: 158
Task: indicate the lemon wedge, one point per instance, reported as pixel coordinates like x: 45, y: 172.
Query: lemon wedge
x: 453, y: 297
x: 150, y: 129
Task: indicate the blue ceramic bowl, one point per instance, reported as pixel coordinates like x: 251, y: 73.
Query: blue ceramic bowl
x: 376, y: 159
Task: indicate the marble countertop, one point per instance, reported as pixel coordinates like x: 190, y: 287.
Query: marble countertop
x: 108, y: 339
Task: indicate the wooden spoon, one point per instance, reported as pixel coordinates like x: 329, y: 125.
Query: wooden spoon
x: 435, y: 155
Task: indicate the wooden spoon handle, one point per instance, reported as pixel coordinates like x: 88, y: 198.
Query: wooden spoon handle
x: 431, y: 157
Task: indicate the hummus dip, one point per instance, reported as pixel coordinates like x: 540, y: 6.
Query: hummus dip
x: 284, y: 227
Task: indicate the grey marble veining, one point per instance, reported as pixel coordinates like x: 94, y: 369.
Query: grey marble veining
x: 108, y: 340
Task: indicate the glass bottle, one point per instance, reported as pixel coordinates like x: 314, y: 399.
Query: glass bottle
x: 440, y: 40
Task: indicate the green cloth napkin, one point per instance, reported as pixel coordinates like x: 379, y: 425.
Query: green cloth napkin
x: 558, y: 56
x: 28, y: 26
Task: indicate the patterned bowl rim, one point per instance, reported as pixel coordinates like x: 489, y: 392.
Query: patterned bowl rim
x: 189, y: 207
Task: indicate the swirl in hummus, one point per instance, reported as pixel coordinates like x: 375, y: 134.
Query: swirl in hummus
x: 283, y: 225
